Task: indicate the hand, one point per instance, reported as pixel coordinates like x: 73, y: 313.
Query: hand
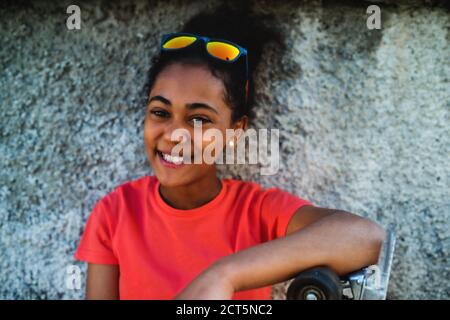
x: 212, y: 284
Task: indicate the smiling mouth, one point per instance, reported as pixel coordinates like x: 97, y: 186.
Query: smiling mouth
x: 169, y: 159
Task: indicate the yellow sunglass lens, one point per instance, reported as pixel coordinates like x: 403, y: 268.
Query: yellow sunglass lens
x: 179, y: 42
x: 222, y: 50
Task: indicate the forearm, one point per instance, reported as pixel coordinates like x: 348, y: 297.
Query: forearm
x: 343, y: 241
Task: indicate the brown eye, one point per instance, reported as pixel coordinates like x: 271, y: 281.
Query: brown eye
x: 159, y: 113
x: 201, y: 120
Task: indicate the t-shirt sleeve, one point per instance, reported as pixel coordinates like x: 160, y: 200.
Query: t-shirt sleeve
x: 277, y: 208
x: 96, y: 242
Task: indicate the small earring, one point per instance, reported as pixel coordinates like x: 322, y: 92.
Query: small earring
x: 231, y: 143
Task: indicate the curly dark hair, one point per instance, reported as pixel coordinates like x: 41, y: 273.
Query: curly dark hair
x: 240, y: 26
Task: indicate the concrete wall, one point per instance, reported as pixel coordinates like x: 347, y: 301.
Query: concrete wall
x: 364, y: 117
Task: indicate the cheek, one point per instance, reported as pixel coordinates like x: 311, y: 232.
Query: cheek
x: 151, y: 132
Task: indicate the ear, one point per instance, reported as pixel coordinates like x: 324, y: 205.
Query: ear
x: 242, y: 123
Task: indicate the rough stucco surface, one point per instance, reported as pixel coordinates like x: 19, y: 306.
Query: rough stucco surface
x: 364, y: 120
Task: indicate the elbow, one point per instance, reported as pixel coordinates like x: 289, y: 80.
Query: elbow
x: 369, y: 230
x: 375, y: 235
x: 378, y: 233
x: 371, y: 236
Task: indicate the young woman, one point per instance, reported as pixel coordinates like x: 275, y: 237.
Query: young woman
x: 185, y: 233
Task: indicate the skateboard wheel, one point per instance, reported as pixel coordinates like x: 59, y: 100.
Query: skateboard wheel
x: 319, y: 283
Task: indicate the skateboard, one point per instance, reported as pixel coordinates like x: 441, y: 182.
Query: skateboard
x: 369, y: 283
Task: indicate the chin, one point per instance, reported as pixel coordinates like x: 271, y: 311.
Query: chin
x: 170, y: 181
x: 172, y: 178
x: 179, y: 178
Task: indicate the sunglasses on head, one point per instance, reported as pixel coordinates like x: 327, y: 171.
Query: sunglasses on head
x: 220, y: 49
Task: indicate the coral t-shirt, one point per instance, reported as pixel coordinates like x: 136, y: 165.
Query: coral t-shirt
x: 160, y: 249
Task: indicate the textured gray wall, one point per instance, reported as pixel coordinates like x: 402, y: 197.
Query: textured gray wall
x: 364, y: 119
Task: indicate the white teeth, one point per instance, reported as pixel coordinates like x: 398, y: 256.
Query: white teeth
x: 172, y: 159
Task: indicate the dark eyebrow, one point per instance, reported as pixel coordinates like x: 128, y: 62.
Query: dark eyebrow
x: 199, y: 105
x: 160, y: 98
x: 190, y: 106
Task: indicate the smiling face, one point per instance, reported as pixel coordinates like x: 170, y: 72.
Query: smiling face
x: 184, y: 95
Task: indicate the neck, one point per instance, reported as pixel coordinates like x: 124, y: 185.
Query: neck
x: 192, y: 195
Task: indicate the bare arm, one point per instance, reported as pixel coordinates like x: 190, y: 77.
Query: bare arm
x: 337, y: 239
x: 102, y: 282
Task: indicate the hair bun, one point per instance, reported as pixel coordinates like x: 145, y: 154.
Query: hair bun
x: 240, y: 25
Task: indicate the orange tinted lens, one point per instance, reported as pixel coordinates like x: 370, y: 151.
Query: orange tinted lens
x: 179, y: 42
x: 222, y: 50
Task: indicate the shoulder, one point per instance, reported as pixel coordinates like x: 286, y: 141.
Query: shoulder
x: 270, y: 195
x: 127, y: 192
x: 243, y: 189
x: 259, y: 192
x: 253, y: 187
x: 134, y: 187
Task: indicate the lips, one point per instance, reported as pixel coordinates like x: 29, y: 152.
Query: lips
x: 168, y: 160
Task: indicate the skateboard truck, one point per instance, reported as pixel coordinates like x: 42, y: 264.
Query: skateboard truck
x: 369, y: 283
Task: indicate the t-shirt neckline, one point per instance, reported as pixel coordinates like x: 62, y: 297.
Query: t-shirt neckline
x: 190, y: 213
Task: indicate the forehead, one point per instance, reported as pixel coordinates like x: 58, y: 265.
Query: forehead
x: 187, y: 83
